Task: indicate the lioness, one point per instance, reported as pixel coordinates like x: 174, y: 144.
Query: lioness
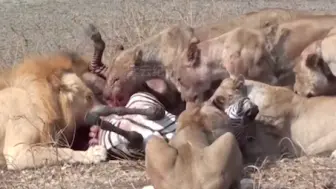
x: 204, y: 152
x: 257, y: 19
x: 240, y: 51
x: 308, y: 122
x: 134, y: 67
x: 41, y: 106
x: 315, y: 69
x: 308, y: 30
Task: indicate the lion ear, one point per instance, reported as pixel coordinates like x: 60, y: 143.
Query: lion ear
x: 313, y: 60
x: 238, y: 81
x: 55, y: 81
x: 119, y: 47
x: 193, y: 53
x: 219, y: 102
x: 157, y: 85
x: 319, y: 62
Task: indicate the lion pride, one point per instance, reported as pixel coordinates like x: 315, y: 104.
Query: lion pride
x: 43, y: 100
x: 205, y: 133
x: 308, y: 122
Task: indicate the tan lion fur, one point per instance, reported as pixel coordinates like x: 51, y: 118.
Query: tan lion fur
x: 315, y: 68
x: 4, y: 74
x: 242, y: 51
x: 265, y: 55
x: 308, y: 122
x: 41, y: 105
x: 257, y: 19
x: 203, y: 135
x: 301, y: 33
x: 147, y: 60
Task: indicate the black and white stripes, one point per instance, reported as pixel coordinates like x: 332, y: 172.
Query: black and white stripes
x: 139, y: 123
x: 237, y: 112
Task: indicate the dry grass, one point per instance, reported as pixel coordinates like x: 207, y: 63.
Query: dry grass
x: 113, y: 174
x: 301, y: 173
x: 48, y: 25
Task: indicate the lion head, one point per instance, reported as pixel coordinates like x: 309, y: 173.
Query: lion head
x: 63, y: 97
x: 313, y: 76
x: 132, y: 67
x: 240, y: 51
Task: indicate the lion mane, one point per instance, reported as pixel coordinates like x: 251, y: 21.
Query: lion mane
x: 43, y: 99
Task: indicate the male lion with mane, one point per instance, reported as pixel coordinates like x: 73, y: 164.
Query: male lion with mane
x: 41, y: 104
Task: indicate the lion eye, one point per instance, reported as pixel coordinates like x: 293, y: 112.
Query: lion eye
x: 180, y: 82
x: 89, y: 98
x: 115, y: 80
x: 240, y: 85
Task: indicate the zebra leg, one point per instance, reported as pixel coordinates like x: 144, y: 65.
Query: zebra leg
x: 96, y: 65
x: 152, y: 113
x: 133, y: 137
x: 156, y: 113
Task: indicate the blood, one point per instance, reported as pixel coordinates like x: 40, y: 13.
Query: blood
x: 115, y: 101
x: 118, y: 100
x: 94, y: 135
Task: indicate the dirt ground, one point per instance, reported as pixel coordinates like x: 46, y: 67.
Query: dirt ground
x: 301, y: 173
x: 37, y: 26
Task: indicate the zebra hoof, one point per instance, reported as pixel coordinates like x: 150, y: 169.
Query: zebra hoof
x: 135, y: 138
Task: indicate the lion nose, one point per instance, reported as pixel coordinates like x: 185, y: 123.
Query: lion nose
x: 194, y: 98
x: 107, y: 94
x: 191, y: 97
x: 252, y: 112
x: 309, y: 95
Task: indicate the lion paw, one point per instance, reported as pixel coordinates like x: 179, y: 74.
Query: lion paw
x: 148, y: 187
x: 333, y: 155
x: 96, y: 154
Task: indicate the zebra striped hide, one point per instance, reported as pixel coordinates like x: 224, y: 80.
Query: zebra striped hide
x: 236, y: 113
x: 118, y: 146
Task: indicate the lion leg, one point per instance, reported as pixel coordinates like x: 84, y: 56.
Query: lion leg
x: 325, y: 144
x: 160, y: 159
x: 333, y: 155
x: 22, y: 148
x: 226, y: 158
x: 24, y: 156
x: 148, y: 187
